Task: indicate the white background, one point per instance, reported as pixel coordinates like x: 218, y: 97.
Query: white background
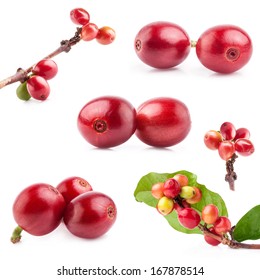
x: 40, y: 142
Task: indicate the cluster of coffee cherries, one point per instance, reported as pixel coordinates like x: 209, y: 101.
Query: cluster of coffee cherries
x: 215, y: 224
x: 176, y: 194
x: 89, y: 31
x: 40, y: 208
x: 229, y: 141
x: 35, y: 84
x: 222, y: 48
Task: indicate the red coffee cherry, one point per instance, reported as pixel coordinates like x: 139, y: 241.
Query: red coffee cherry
x: 222, y: 225
x: 162, y: 44
x: 106, y: 35
x: 163, y: 122
x: 242, y: 133
x: 212, y: 139
x: 79, y: 16
x: 244, y: 147
x: 171, y: 188
x: 90, y: 215
x: 224, y: 48
x: 107, y: 121
x: 189, y: 218
x: 210, y: 240
x: 38, y: 88
x: 226, y: 150
x: 45, y: 68
x: 228, y: 131
x: 38, y: 209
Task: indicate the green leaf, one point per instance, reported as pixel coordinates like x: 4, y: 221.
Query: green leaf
x: 248, y: 227
x: 143, y: 194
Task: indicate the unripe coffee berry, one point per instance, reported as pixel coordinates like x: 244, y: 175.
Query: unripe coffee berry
x: 165, y: 205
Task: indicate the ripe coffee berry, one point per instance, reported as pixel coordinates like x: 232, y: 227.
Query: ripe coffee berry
x: 72, y: 187
x: 38, y: 210
x: 162, y: 44
x: 189, y: 218
x: 226, y: 150
x: 212, y: 139
x: 224, y: 48
x: 171, y: 188
x: 90, y: 215
x: 242, y: 133
x: 244, y: 147
x: 38, y: 88
x: 107, y: 121
x: 106, y: 35
x: 79, y: 16
x: 222, y: 225
x: 228, y: 131
x: 45, y: 68
x: 210, y: 240
x: 89, y: 32
x: 162, y: 122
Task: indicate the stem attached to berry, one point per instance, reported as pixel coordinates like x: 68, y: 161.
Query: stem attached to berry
x: 231, y: 175
x: 22, y: 75
x: 226, y: 241
x: 16, y: 236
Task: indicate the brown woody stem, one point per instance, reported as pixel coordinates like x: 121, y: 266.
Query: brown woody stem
x: 22, y: 75
x: 231, y: 175
x: 226, y: 241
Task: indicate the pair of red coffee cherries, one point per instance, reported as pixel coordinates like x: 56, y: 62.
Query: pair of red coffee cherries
x: 223, y: 48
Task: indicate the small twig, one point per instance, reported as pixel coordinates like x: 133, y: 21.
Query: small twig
x: 231, y: 175
x: 226, y: 241
x: 22, y: 75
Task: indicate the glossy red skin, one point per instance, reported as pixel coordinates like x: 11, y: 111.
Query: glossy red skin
x: 162, y: 44
x: 226, y: 150
x: 118, y: 116
x: 106, y: 35
x: 171, y: 188
x: 79, y: 16
x: 72, y: 187
x: 188, y: 218
x: 244, y: 147
x: 210, y: 240
x: 89, y: 32
x: 224, y: 48
x: 46, y: 68
x: 242, y: 133
x: 222, y: 225
x: 228, y: 131
x: 163, y: 122
x: 90, y: 215
x: 212, y: 139
x: 38, y: 209
x: 38, y: 88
